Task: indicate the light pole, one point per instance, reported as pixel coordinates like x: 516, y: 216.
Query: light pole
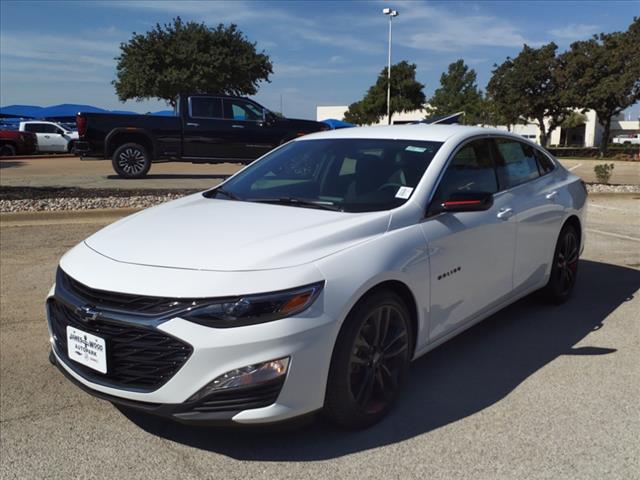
x: 391, y: 13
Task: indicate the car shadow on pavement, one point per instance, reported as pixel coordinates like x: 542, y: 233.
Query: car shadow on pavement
x: 462, y: 377
x: 10, y: 163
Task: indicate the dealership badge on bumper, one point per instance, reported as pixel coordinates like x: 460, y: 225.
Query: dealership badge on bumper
x: 87, y: 349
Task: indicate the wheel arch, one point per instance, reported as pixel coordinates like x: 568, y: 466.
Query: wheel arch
x: 574, y: 221
x: 404, y: 292
x: 119, y: 136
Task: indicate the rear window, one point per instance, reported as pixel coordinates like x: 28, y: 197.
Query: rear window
x: 205, y: 107
x: 517, y: 162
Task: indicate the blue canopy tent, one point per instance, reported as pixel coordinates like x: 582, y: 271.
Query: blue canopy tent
x: 20, y: 111
x: 336, y: 124
x: 66, y: 112
x: 164, y: 113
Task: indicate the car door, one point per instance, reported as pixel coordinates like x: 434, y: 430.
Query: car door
x: 525, y: 172
x: 43, y: 134
x: 206, y: 134
x: 471, y: 253
x: 253, y: 136
x: 58, y: 139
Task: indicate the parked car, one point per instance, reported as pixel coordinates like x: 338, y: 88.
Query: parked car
x: 14, y: 142
x: 310, y: 279
x: 52, y: 137
x: 630, y: 139
x: 207, y: 129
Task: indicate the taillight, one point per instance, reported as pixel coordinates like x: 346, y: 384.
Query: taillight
x: 81, y: 124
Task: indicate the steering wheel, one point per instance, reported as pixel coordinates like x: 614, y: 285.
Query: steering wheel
x: 388, y: 185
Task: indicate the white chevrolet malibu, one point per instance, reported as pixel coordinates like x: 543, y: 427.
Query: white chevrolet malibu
x: 311, y: 279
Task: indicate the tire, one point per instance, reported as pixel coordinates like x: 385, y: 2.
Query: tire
x: 564, y: 270
x: 7, y: 150
x: 363, y: 382
x: 131, y: 160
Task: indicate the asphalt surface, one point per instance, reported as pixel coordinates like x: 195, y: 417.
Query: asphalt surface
x: 73, y: 172
x: 535, y: 392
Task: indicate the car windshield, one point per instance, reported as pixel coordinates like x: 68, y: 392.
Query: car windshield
x: 351, y: 175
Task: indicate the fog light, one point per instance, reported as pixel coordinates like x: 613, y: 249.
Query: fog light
x: 248, y: 376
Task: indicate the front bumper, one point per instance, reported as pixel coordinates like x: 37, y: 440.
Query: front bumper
x: 306, y: 339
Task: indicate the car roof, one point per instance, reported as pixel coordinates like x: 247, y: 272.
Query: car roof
x: 420, y: 131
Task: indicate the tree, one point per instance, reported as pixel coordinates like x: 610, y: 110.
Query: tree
x: 573, y: 120
x: 603, y: 74
x: 458, y: 91
x: 406, y: 95
x: 189, y: 57
x: 529, y: 84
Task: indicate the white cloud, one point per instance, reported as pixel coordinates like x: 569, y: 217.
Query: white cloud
x: 574, y: 31
x: 427, y: 27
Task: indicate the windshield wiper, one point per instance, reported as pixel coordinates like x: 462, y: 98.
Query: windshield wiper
x: 226, y: 193
x: 301, y: 202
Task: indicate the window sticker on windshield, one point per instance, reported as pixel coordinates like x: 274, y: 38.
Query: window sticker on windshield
x: 412, y: 148
x: 404, y: 192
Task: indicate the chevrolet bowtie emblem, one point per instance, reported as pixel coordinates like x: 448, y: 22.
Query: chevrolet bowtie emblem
x: 88, y: 313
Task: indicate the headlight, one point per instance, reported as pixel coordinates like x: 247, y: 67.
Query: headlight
x: 252, y: 309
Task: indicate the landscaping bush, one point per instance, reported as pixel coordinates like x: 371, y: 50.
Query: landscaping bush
x: 615, y: 152
x: 603, y: 172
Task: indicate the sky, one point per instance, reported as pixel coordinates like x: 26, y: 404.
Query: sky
x: 324, y: 53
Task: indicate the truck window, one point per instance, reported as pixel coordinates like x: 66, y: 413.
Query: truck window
x: 205, y: 107
x: 238, y: 109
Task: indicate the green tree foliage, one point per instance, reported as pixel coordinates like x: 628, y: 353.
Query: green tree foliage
x: 189, y: 57
x: 603, y: 74
x: 458, y: 92
x: 529, y: 84
x: 406, y: 95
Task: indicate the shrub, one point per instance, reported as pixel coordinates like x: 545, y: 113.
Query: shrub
x: 603, y: 172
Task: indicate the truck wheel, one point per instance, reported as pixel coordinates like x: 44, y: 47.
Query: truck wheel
x: 7, y: 150
x: 131, y: 160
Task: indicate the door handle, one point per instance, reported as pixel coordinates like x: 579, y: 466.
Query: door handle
x: 190, y: 124
x: 505, y: 213
x: 237, y: 126
x: 47, y: 136
x: 552, y: 195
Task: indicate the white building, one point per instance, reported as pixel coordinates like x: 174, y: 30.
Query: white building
x: 586, y: 135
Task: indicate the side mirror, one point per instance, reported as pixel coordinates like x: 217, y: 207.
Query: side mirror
x: 467, y: 202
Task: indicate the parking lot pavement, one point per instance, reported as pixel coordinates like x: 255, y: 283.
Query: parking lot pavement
x: 73, y: 172
x: 624, y: 173
x: 535, y: 391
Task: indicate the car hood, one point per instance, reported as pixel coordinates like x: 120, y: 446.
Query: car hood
x: 209, y: 234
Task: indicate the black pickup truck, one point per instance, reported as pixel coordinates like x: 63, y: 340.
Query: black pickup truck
x: 207, y: 129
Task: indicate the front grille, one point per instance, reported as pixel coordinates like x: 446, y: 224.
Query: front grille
x: 138, y: 358
x: 124, y: 302
x: 241, y: 399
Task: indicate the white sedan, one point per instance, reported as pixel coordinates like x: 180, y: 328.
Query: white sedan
x: 310, y: 279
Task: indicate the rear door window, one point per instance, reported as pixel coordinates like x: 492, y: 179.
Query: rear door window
x: 516, y: 161
x: 205, y: 107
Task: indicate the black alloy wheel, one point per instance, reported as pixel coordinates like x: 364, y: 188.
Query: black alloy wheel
x: 564, y: 270
x: 131, y: 161
x: 370, y: 361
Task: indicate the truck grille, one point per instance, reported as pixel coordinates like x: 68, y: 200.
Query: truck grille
x: 138, y: 358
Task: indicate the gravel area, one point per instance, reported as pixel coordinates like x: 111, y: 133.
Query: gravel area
x: 29, y: 199
x: 25, y: 199
x: 603, y: 188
